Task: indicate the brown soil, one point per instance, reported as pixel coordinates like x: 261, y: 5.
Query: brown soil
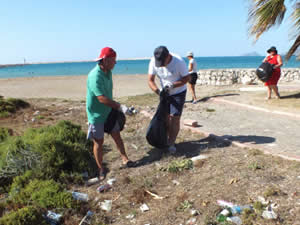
x: 229, y: 173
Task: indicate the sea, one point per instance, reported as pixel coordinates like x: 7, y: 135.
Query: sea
x: 131, y: 67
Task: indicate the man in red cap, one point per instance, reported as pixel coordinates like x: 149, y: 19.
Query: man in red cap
x: 99, y: 104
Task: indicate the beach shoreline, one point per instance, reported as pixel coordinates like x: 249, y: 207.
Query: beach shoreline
x: 68, y: 87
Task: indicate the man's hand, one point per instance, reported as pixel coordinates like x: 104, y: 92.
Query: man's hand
x: 124, y: 109
x: 168, y: 87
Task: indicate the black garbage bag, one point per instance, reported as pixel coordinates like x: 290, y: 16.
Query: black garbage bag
x: 115, y: 116
x: 157, y: 135
x: 264, y: 71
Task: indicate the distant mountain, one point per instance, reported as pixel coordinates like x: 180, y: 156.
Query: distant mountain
x: 251, y: 54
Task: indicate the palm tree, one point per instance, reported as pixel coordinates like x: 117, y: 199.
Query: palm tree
x: 264, y: 14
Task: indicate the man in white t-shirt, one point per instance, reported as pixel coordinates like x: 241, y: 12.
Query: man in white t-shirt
x: 192, y: 67
x: 173, y: 74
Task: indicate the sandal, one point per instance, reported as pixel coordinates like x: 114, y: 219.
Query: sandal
x: 129, y: 164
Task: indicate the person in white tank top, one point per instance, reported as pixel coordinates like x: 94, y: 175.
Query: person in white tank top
x: 192, y: 67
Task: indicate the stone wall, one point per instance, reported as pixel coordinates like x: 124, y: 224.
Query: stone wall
x: 240, y: 76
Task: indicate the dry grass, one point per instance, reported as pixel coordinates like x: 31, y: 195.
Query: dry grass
x: 229, y: 173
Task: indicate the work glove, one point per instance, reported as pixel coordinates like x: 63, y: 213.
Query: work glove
x: 124, y: 109
x: 168, y: 87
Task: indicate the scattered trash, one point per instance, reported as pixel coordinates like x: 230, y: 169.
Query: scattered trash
x: 130, y: 216
x: 134, y: 146
x: 92, y: 181
x: 274, y: 205
x: 175, y: 182
x: 103, y: 188
x: 262, y: 200
x: 191, y: 221
x: 144, y: 208
x: 106, y: 205
x: 111, y: 181
x: 235, y: 219
x: 234, y: 209
x: 194, y: 212
x: 132, y: 110
x: 154, y: 195
x: 269, y: 214
x: 224, y: 203
x: 53, y: 218
x: 87, y: 218
x: 191, y: 123
x: 33, y: 119
x: 234, y: 180
x: 221, y: 218
x: 80, y: 196
x: 225, y: 212
x: 36, y: 113
x: 199, y: 157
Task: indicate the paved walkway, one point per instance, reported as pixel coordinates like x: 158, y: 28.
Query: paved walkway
x: 275, y: 133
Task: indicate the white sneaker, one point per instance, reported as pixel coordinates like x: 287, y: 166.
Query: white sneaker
x: 172, y: 149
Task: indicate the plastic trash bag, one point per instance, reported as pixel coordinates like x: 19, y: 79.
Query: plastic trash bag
x: 115, y: 116
x: 264, y: 71
x: 157, y: 130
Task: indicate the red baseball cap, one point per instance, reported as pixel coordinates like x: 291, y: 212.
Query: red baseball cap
x: 105, y: 53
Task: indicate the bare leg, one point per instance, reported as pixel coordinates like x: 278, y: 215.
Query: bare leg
x: 269, y: 92
x: 174, y: 126
x: 275, y: 89
x: 120, y: 146
x: 98, y: 154
x: 192, y: 88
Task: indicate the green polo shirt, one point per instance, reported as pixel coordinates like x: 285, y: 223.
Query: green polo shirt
x: 98, y: 83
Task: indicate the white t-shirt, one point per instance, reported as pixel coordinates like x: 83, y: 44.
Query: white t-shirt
x: 174, y: 71
x: 193, y: 61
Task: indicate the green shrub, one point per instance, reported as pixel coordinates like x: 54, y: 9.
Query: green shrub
x: 44, y: 194
x: 4, y: 133
x: 180, y: 165
x: 11, y: 105
x: 25, y: 216
x: 62, y: 148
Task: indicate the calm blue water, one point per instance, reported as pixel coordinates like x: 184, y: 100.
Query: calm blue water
x: 131, y: 66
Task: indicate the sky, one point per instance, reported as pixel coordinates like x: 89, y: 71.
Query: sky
x: 75, y: 30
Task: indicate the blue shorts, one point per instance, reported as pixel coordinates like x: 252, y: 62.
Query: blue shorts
x: 96, y: 131
x: 176, y: 103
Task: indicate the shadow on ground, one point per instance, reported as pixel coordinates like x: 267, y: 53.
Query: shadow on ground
x: 291, y: 96
x: 250, y: 139
x: 205, y: 99
x: 188, y: 149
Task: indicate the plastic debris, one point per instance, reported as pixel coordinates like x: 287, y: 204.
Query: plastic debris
x: 92, y: 181
x: 225, y: 212
x: 262, y: 200
x: 224, y: 203
x: 103, y: 188
x: 144, y: 208
x: 154, y: 195
x: 80, y: 196
x: 269, y: 214
x: 53, y: 218
x: 175, y: 182
x: 130, y: 216
x: 191, y: 221
x: 194, y: 212
x: 199, y: 157
x: 235, y: 219
x: 87, y: 218
x: 36, y: 113
x: 111, y: 181
x: 106, y: 205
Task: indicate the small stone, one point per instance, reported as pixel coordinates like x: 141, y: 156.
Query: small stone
x: 175, y: 182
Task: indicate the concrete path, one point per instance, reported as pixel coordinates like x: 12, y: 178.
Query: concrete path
x: 277, y: 134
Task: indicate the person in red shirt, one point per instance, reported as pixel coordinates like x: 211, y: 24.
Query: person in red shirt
x: 275, y: 59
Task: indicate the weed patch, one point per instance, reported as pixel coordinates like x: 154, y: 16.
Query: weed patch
x: 10, y: 106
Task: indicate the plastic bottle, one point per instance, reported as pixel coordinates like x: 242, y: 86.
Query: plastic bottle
x: 87, y: 218
x: 80, y: 196
x: 53, y: 218
x: 236, y: 209
x: 103, y: 188
x: 92, y: 181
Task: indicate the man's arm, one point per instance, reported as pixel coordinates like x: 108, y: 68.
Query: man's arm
x: 182, y: 81
x: 152, y: 84
x: 108, y: 102
x: 191, y: 67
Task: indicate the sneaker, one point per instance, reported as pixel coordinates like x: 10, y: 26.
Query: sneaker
x: 172, y: 149
x: 194, y: 101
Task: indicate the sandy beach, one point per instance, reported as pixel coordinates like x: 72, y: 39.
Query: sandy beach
x: 68, y: 87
